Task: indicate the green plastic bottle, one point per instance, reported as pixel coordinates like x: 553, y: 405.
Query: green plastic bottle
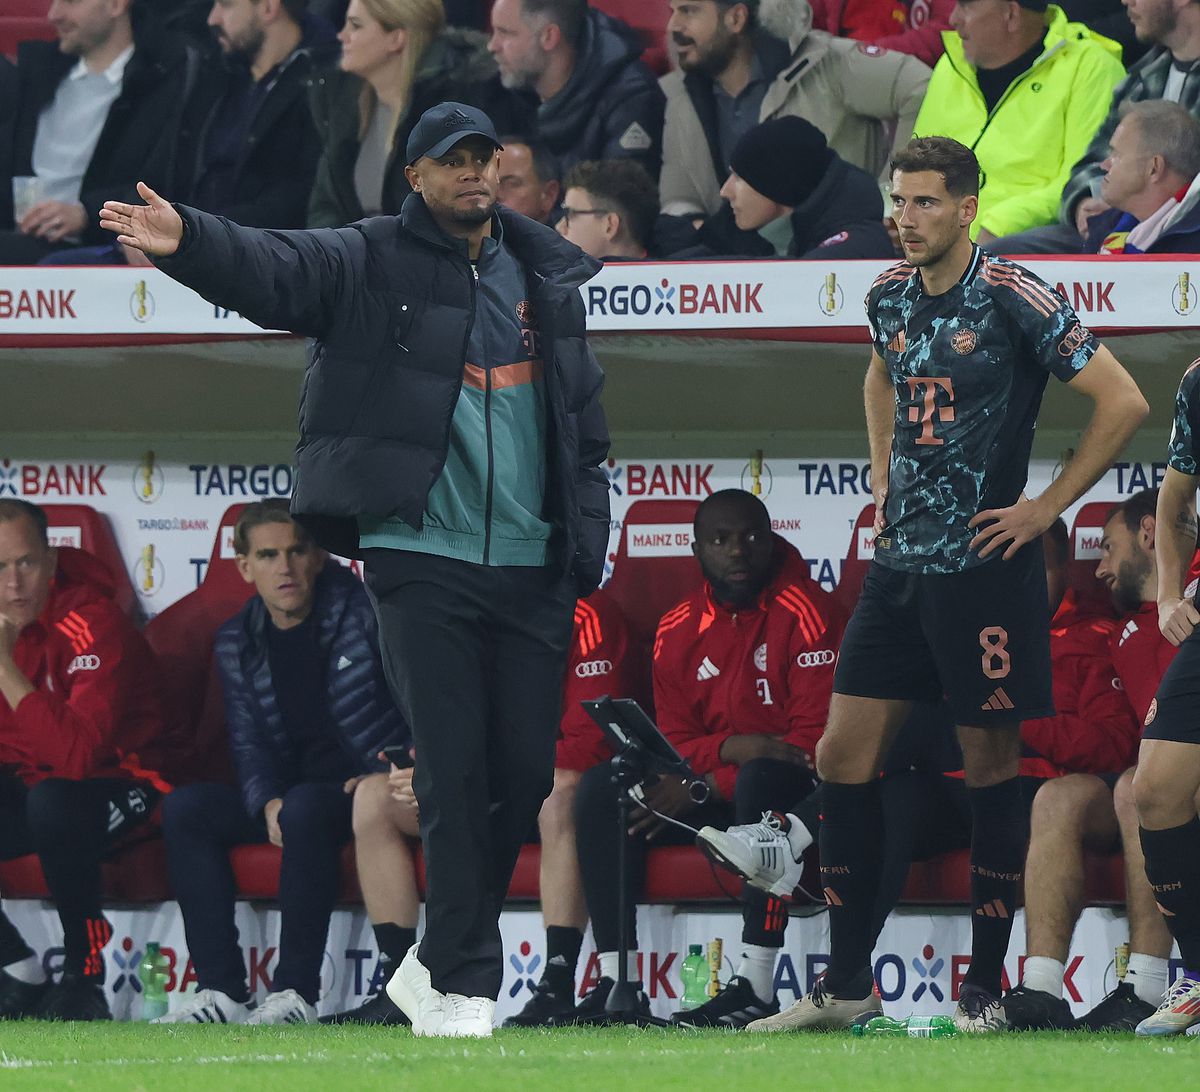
x: 153, y: 971
x: 915, y: 1027
x: 694, y: 975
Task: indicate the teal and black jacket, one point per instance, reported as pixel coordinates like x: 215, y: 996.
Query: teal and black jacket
x: 392, y: 305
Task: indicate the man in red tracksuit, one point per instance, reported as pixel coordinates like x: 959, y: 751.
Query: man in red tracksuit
x: 598, y: 665
x: 82, y: 731
x: 743, y: 670
x: 1092, y: 809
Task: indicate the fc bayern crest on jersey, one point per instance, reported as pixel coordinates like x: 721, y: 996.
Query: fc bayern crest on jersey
x: 963, y: 342
x: 760, y: 657
x: 525, y: 313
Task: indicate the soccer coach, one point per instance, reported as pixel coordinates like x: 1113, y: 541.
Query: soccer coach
x: 451, y: 435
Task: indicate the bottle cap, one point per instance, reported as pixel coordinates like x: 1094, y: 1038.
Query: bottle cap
x: 695, y: 949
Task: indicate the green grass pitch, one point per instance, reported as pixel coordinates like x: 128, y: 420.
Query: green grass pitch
x: 137, y: 1058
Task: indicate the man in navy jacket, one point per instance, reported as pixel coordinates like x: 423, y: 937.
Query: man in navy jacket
x: 308, y: 711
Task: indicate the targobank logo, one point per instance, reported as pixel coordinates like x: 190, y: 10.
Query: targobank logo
x: 665, y: 298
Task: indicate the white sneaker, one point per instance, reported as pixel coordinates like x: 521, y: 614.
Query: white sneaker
x: 758, y: 852
x: 413, y: 994
x: 979, y: 1012
x: 820, y: 1011
x: 208, y: 1007
x: 284, y: 1007
x: 1179, y: 1011
x: 466, y: 1017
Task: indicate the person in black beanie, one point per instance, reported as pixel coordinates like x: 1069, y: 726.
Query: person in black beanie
x: 801, y: 198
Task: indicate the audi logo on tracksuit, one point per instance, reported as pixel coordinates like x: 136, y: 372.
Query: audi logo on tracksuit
x: 815, y: 659
x: 591, y: 669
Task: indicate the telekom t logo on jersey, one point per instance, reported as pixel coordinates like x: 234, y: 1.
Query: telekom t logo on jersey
x: 929, y: 410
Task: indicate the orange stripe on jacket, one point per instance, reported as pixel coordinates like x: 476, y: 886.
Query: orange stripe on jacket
x: 507, y: 375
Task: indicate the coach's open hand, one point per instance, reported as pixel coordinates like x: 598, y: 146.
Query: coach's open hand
x: 154, y: 228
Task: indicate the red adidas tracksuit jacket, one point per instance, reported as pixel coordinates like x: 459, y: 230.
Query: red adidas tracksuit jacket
x: 1095, y: 729
x: 598, y: 664
x: 1141, y: 655
x: 765, y: 670
x: 97, y: 710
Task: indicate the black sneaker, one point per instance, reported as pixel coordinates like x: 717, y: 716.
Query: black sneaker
x: 18, y: 999
x: 379, y: 1009
x: 1121, y: 1010
x: 75, y: 998
x: 1037, y: 1010
x: 734, y: 1007
x: 546, y: 1008
x: 591, y: 1010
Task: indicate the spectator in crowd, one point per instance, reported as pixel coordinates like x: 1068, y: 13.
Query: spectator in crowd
x: 802, y: 199
x: 743, y: 670
x: 907, y: 26
x: 528, y: 179
x: 308, y: 711
x: 1168, y: 71
x: 599, y: 665
x: 1107, y: 17
x: 609, y: 209
x: 1150, y: 183
x: 94, y: 113
x: 745, y: 62
x: 596, y: 100
x: 398, y: 60
x: 1092, y: 809
x: 254, y: 148
x: 83, y: 738
x: 1025, y: 90
x: 8, y: 103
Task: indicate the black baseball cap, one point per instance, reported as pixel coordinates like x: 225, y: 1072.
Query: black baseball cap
x: 443, y: 126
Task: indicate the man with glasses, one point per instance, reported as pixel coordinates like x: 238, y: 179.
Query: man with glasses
x: 609, y: 209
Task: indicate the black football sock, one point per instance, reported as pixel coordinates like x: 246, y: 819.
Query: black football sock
x: 12, y: 945
x: 764, y: 918
x: 851, y: 852
x: 562, y: 954
x: 1173, y: 869
x: 394, y: 940
x: 999, y: 840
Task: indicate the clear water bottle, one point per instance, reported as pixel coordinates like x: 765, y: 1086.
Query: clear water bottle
x: 154, y: 972
x: 694, y: 975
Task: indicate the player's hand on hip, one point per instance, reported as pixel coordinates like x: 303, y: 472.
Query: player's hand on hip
x: 879, y: 490
x: 1012, y: 527
x: 1177, y: 618
x: 154, y: 228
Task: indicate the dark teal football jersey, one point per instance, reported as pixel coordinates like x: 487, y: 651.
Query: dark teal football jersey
x: 969, y: 368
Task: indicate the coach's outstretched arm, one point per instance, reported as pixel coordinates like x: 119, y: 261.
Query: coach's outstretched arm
x: 1117, y: 412
x: 281, y: 280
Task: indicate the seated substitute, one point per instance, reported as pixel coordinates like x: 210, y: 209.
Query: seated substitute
x: 308, y: 711
x: 1150, y: 183
x: 599, y: 665
x: 1092, y: 810
x: 799, y: 196
x: 83, y: 734
x: 923, y: 796
x: 609, y: 208
x: 743, y: 670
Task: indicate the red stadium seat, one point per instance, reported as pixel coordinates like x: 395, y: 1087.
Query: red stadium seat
x: 134, y: 873
x: 82, y: 527
x: 649, y: 19
x: 858, y: 558
x: 1086, y: 533
x: 182, y: 638
x: 654, y: 568
x: 16, y: 28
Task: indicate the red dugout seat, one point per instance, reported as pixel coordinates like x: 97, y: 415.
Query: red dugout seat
x: 23, y: 28
x: 858, y: 558
x: 182, y: 638
x: 82, y: 527
x: 649, y: 19
x: 1086, y: 533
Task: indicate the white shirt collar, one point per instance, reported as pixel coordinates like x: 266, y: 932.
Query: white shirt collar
x: 114, y: 73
